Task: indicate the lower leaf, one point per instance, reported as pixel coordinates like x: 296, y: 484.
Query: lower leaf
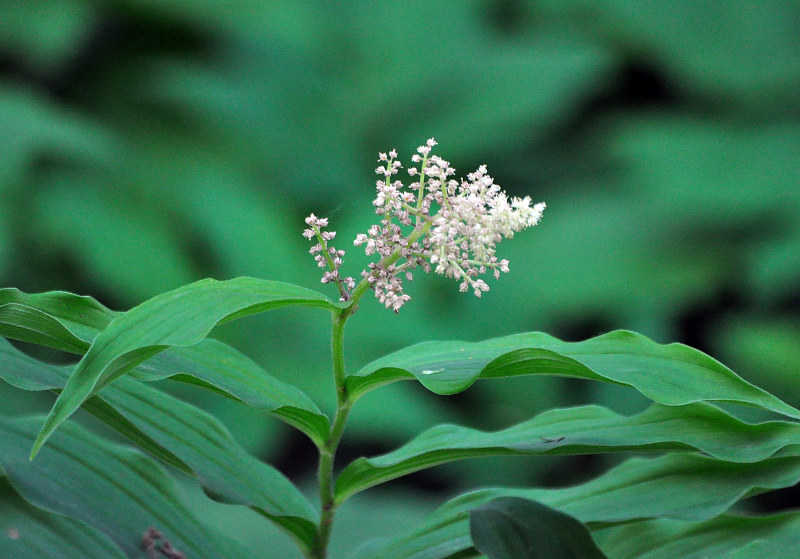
x: 725, y: 537
x: 30, y: 533
x: 114, y: 489
x: 514, y: 528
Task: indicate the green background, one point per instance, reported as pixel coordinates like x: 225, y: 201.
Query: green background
x: 149, y: 144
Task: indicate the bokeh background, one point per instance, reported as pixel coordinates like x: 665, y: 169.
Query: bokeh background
x: 149, y: 144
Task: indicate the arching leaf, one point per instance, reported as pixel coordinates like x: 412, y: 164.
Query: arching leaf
x: 581, y: 430
x: 55, y: 319
x: 683, y: 487
x: 221, y: 368
x: 672, y: 374
x: 181, y: 317
x: 726, y: 537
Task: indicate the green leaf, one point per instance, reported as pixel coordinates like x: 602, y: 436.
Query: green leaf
x: 181, y: 317
x: 111, y: 417
x: 31, y: 533
x: 677, y: 486
x: 672, y: 374
x: 183, y: 436
x: 226, y: 470
x: 580, y: 430
x: 726, y: 537
x: 514, y: 528
x: 55, y: 319
x: 70, y: 322
x: 79, y: 475
x: 27, y: 373
x: 223, y: 369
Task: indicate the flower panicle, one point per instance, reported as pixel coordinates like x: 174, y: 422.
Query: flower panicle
x: 327, y: 255
x: 436, y: 222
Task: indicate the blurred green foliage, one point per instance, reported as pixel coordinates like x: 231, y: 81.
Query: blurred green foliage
x: 148, y: 144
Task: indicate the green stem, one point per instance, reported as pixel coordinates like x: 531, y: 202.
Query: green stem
x: 328, y: 452
x: 421, y: 193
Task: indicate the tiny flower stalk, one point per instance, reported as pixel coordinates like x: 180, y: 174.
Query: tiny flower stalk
x: 327, y: 255
x: 457, y: 241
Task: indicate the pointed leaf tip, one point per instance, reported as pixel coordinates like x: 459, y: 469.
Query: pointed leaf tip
x: 41, y: 438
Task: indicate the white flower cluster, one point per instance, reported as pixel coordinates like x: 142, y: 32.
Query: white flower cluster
x: 327, y: 255
x: 388, y: 240
x: 460, y: 239
x: 471, y: 223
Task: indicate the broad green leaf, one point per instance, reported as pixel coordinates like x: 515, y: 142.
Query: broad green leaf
x: 183, y: 436
x: 677, y: 486
x: 114, y: 489
x: 221, y: 465
x: 181, y: 317
x: 580, y: 430
x: 672, y: 374
x: 111, y: 417
x: 219, y: 367
x: 726, y: 537
x: 514, y: 528
x: 55, y: 319
x: 30, y: 533
x: 70, y: 322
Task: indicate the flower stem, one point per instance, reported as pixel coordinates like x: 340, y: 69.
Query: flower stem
x: 327, y: 453
x: 329, y: 260
x: 421, y: 195
x: 364, y: 284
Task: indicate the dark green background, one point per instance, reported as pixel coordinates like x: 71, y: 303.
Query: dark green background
x: 148, y: 144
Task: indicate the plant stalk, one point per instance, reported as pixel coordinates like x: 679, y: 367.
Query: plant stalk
x: 328, y: 452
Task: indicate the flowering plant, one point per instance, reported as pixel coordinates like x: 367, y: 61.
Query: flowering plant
x: 96, y: 498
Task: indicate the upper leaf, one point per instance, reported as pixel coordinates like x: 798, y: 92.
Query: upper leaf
x: 672, y: 374
x: 221, y: 368
x: 70, y: 322
x: 181, y: 317
x: 56, y: 319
